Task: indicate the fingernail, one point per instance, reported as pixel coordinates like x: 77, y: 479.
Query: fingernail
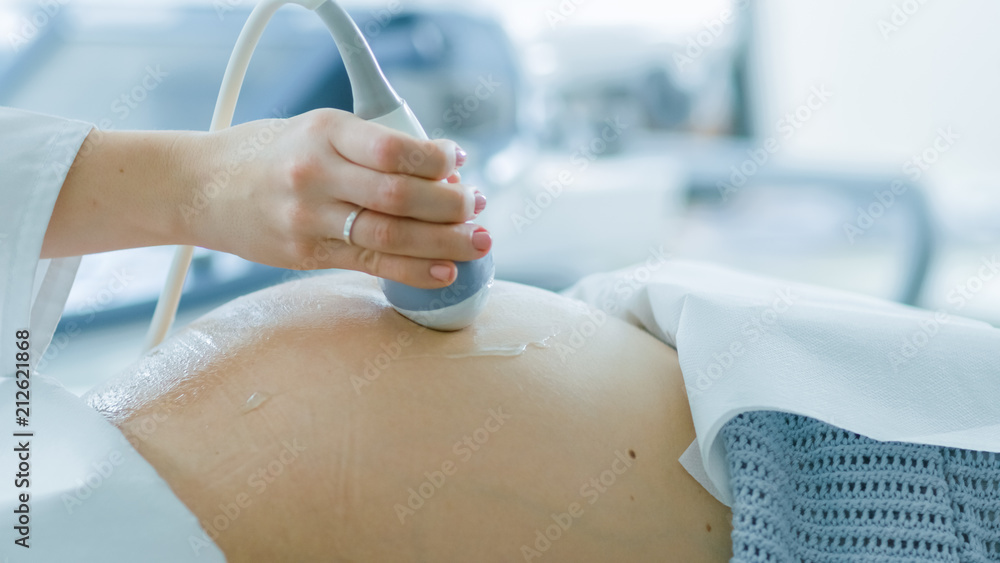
x: 481, y: 239
x: 460, y: 156
x: 441, y: 272
x: 455, y: 178
x: 480, y: 202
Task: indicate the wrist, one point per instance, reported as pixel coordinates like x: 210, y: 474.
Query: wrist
x: 190, y: 162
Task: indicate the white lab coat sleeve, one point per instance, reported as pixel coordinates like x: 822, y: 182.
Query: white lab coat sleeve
x: 36, y: 153
x: 72, y: 488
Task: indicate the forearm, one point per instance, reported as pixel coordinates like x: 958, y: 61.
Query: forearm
x: 125, y: 190
x: 277, y: 192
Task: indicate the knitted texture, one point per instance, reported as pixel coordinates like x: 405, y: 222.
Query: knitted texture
x: 806, y: 491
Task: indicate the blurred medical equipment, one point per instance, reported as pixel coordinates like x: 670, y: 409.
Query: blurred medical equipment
x: 916, y: 234
x: 449, y: 308
x: 662, y: 164
x: 523, y: 112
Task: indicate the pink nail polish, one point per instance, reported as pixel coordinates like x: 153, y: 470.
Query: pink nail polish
x: 441, y: 272
x: 480, y: 202
x: 460, y: 156
x: 482, y: 240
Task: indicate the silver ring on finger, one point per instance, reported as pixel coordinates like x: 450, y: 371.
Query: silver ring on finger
x: 349, y: 224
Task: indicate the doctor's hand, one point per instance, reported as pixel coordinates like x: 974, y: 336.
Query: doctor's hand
x: 282, y: 191
x: 277, y: 192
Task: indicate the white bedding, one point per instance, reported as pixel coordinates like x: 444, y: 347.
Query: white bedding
x: 884, y: 370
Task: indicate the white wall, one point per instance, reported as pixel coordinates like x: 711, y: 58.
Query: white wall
x: 893, y: 86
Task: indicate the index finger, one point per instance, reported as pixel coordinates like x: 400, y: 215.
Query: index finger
x: 381, y: 148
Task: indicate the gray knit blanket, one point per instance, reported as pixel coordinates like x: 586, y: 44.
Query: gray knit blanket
x: 806, y: 491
